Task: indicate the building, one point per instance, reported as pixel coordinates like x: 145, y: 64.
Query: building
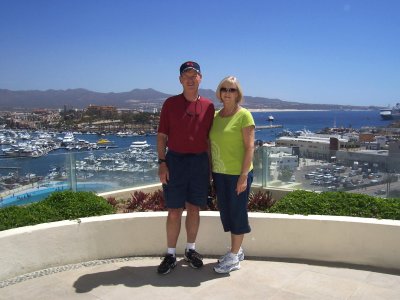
x: 316, y: 146
x: 105, y: 111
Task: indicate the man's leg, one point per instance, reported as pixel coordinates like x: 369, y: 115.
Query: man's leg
x: 173, y: 226
x: 192, y: 227
x: 192, y: 222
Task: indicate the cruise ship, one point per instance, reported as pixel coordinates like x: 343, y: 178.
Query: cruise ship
x: 390, y: 113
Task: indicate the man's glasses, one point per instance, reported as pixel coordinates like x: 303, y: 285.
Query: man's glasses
x: 227, y: 90
x: 196, y: 112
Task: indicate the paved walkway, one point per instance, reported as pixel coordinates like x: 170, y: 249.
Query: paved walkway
x: 136, y: 278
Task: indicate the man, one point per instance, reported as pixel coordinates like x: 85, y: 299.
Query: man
x: 185, y: 122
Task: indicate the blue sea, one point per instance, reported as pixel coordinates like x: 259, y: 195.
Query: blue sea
x: 316, y: 120
x: 290, y: 120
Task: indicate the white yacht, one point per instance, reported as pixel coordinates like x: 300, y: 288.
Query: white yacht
x: 68, y: 138
x: 139, y: 145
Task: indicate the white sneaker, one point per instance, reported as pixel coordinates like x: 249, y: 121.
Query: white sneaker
x: 240, y: 255
x: 230, y: 263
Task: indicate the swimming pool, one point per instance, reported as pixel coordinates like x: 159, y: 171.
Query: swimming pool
x: 38, y: 194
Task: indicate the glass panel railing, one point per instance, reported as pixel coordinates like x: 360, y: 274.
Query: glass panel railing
x: 375, y: 173
x: 90, y: 163
x: 108, y: 163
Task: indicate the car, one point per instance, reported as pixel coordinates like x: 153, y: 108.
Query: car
x: 380, y: 192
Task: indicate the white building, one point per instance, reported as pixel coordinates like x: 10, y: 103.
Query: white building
x: 315, y: 145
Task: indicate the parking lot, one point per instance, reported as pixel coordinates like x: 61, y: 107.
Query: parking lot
x: 323, y: 176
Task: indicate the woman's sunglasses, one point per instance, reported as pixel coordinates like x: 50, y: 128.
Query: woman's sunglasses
x: 227, y: 90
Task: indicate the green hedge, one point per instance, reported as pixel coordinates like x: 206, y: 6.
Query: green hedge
x: 337, y: 204
x: 68, y: 205
x: 64, y: 205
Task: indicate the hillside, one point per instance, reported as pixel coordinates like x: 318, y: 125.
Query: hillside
x: 146, y: 99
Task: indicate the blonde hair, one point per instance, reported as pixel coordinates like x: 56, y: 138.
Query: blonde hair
x: 232, y: 80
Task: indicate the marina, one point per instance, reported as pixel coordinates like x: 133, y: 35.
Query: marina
x: 99, y: 163
x: 127, y: 160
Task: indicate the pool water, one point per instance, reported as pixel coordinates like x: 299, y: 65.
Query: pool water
x: 38, y: 194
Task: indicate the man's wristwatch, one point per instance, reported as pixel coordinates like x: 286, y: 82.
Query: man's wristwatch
x: 160, y: 161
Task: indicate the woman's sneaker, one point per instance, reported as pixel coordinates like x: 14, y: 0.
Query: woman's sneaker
x: 230, y: 263
x: 193, y: 258
x: 240, y: 255
x: 168, y: 263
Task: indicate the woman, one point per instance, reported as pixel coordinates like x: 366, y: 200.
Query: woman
x: 232, y: 147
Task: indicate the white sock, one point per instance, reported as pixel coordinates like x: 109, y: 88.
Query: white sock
x: 172, y: 251
x: 191, y: 246
x: 233, y: 255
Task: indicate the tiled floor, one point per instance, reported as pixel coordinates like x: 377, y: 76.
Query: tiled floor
x: 137, y: 279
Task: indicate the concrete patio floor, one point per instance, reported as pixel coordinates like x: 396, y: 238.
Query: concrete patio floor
x: 136, y: 278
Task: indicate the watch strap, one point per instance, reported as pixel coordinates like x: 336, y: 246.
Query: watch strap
x: 160, y: 161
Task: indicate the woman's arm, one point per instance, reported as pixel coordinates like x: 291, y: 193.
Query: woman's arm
x: 248, y: 134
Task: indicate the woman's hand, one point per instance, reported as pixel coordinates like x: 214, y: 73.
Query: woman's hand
x: 241, y: 185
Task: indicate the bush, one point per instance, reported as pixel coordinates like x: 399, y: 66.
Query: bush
x: 18, y: 216
x: 65, y: 205
x: 141, y: 201
x: 260, y: 201
x: 337, y: 204
x: 73, y: 205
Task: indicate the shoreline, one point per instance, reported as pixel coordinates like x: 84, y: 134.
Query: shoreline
x: 297, y: 110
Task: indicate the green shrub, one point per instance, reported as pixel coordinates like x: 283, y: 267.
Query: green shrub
x: 337, y: 204
x: 65, y: 205
x: 72, y: 205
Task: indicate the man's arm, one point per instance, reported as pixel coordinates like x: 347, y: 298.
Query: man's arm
x: 161, y: 151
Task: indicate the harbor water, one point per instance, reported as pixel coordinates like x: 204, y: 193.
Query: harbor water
x: 127, y: 170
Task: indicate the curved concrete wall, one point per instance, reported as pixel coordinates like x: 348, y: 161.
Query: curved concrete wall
x: 324, y: 238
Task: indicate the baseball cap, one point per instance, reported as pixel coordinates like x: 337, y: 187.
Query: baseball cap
x: 189, y: 65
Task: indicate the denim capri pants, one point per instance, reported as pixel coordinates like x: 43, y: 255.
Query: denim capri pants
x: 232, y: 207
x: 189, y: 178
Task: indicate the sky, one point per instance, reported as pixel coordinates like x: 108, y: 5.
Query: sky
x: 310, y: 51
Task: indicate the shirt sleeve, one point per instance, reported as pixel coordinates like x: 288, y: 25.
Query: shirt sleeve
x: 247, y: 119
x: 163, y: 126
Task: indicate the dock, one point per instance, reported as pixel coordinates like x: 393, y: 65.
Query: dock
x: 269, y: 126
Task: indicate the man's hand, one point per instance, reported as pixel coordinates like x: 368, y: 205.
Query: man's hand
x: 163, y: 173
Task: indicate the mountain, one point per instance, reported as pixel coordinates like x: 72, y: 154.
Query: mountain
x: 76, y: 98
x: 138, y: 98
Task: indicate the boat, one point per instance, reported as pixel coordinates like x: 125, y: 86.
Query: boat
x: 270, y: 120
x: 139, y: 145
x: 390, y: 113
x: 68, y: 138
x: 103, y: 142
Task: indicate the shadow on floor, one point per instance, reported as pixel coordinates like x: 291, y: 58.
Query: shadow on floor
x: 182, y: 275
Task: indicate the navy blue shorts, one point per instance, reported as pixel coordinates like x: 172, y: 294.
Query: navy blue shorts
x: 232, y: 207
x: 189, y: 178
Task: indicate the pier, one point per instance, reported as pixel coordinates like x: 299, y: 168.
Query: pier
x: 269, y: 126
